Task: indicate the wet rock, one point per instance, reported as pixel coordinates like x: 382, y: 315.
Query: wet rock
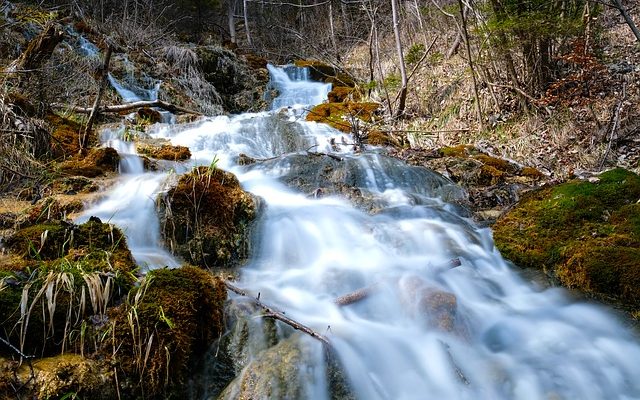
x: 280, y: 372
x: 97, y: 162
x: 164, y: 151
x: 239, y: 87
x: 493, y: 184
x: 147, y: 116
x: 436, y: 307
x: 57, y: 376
x: 164, y: 330
x: 318, y: 175
x: 583, y: 234
x: 343, y: 116
x: 206, y: 218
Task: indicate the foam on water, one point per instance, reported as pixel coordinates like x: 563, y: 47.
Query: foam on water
x: 428, y: 329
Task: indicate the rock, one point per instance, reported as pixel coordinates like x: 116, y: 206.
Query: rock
x: 99, y: 161
x: 585, y: 235
x: 206, y: 218
x: 164, y: 152
x: 493, y: 184
x: 72, y: 272
x: 436, y: 307
x: 341, y: 116
x: 162, y: 333
x: 55, y: 377
x: 280, y: 372
x: 318, y: 175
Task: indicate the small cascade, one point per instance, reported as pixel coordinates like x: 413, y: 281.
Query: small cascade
x: 131, y: 93
x: 295, y: 88
x: 131, y: 205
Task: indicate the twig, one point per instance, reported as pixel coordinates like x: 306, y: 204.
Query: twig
x: 614, y: 125
x: 275, y: 314
x: 355, y: 296
x: 15, y: 349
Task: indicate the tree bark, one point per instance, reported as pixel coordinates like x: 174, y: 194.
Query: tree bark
x: 38, y: 51
x: 245, y: 14
x: 627, y: 18
x: 402, y: 96
x: 231, y: 21
x: 471, y: 67
x: 103, y: 81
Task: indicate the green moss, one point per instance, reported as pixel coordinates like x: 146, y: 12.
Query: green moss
x: 210, y: 218
x: 338, y: 115
x: 585, y: 234
x: 166, y: 326
x: 455, y: 151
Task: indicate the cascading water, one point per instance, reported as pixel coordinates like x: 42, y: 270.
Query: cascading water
x: 429, y: 328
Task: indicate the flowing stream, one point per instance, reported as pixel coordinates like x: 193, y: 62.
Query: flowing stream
x: 429, y: 328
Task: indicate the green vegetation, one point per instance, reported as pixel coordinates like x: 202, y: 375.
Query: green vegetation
x: 585, y: 234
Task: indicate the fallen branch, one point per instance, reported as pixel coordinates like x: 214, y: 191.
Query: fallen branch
x: 355, y: 296
x: 128, y: 107
x: 275, y: 314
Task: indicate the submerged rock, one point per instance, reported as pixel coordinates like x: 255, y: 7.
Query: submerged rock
x: 586, y: 235
x: 493, y: 184
x: 362, y: 179
x: 206, y: 218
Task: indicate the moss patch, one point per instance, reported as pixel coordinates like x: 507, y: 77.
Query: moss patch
x: 99, y: 161
x: 165, y: 152
x: 585, y: 234
x: 65, y: 135
x: 338, y: 115
x: 209, y: 218
x: 167, y: 325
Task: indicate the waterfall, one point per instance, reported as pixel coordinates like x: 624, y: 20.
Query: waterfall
x: 445, y: 317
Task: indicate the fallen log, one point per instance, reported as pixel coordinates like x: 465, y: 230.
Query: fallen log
x: 128, y: 107
x: 270, y: 312
x: 355, y: 296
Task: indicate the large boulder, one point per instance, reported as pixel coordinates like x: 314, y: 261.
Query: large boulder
x: 207, y: 217
x: 584, y: 234
x: 161, y: 334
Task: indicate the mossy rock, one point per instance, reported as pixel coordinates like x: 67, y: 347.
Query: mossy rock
x: 165, y: 152
x: 53, y: 240
x: 164, y: 329
x: 584, y: 234
x: 206, y: 218
x: 66, y: 136
x: 338, y: 115
x: 97, y: 162
x: 56, y: 377
x: 341, y: 94
x: 319, y: 71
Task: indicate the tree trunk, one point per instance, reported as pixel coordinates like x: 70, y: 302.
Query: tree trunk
x: 402, y: 97
x: 231, y: 21
x: 102, y: 75
x: 38, y: 51
x: 333, y: 33
x: 617, y: 4
x: 245, y: 14
x: 465, y: 35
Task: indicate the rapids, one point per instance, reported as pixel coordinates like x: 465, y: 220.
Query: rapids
x: 428, y: 329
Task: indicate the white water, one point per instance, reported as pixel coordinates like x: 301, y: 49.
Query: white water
x: 505, y: 339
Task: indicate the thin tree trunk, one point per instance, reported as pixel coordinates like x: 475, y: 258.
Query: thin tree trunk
x: 617, y: 4
x: 403, y: 73
x: 245, y: 14
x: 96, y: 104
x: 470, y: 56
x: 333, y: 33
x: 231, y: 21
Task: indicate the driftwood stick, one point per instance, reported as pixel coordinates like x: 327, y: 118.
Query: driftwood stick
x: 355, y: 296
x: 128, y: 107
x: 279, y: 315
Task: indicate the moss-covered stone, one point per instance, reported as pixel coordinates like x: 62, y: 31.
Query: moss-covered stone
x: 164, y: 329
x: 66, y: 136
x: 165, y: 152
x: 206, y: 218
x: 97, y: 162
x: 585, y: 234
x: 55, y: 377
x: 341, y: 115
